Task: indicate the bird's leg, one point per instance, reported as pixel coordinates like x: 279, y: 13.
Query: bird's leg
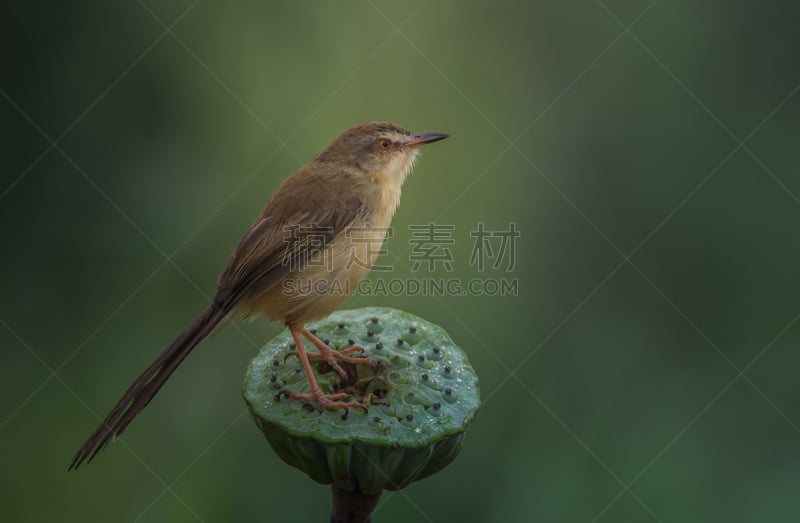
x: 329, y: 401
x: 331, y: 355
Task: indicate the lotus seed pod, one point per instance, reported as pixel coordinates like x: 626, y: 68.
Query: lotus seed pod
x: 420, y: 400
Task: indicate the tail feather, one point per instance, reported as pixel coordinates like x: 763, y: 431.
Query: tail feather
x: 148, y: 384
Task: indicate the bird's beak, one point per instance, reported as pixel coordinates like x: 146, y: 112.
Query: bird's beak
x: 425, y: 137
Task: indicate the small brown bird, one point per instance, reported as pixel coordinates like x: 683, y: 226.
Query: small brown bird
x: 275, y: 271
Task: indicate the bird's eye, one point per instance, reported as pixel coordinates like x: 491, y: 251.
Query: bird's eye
x: 385, y: 144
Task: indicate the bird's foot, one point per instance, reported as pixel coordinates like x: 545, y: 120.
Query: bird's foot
x: 328, y: 401
x: 351, y: 350
x: 330, y: 355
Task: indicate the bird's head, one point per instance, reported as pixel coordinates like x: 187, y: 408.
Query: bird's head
x: 382, y: 150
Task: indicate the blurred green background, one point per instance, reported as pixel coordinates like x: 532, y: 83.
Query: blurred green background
x: 651, y: 173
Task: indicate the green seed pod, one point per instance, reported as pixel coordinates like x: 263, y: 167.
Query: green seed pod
x: 419, y: 402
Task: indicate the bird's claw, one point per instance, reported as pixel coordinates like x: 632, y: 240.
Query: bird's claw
x: 330, y: 355
x: 328, y: 401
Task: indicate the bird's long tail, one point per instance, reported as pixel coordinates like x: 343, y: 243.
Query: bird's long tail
x: 148, y: 384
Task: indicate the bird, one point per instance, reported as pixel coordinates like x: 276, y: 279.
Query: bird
x: 299, y: 247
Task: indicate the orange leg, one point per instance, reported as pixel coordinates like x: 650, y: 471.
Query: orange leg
x: 331, y: 355
x: 329, y: 401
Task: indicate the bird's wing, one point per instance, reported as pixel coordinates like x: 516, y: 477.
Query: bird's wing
x: 276, y: 245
